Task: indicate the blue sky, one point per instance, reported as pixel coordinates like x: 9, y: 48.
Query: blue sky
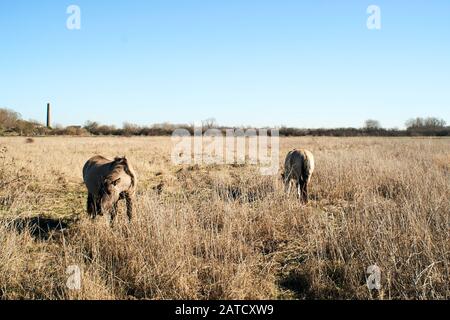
x: 243, y: 62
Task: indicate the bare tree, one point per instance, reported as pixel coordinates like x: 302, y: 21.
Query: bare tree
x: 130, y: 129
x: 432, y: 122
x: 8, y: 118
x: 91, y: 126
x: 371, y: 124
x: 209, y: 123
x: 425, y: 123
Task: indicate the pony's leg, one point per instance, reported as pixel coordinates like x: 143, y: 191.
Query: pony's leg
x: 299, y: 186
x: 287, y: 184
x: 97, y: 207
x: 287, y: 187
x: 305, y: 192
x: 90, y: 205
x: 113, y: 214
x: 129, y: 201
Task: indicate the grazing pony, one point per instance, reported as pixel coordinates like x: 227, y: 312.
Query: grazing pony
x: 298, y: 166
x: 107, y: 182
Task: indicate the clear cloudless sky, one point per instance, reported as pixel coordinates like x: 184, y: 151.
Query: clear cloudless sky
x: 243, y: 62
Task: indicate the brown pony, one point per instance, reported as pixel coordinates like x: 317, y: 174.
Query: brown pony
x: 299, y: 166
x: 107, y: 182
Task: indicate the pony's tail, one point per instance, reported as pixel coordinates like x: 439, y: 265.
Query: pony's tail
x: 307, y: 168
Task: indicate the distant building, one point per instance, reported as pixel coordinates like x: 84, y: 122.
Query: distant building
x: 49, y: 119
x: 74, y: 127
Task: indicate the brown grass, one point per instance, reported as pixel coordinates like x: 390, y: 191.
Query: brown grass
x: 214, y: 232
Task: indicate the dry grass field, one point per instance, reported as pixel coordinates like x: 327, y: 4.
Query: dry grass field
x: 226, y: 232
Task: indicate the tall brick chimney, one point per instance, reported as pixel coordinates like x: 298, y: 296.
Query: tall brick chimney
x: 49, y: 110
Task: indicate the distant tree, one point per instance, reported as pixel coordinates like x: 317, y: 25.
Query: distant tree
x: 209, y: 123
x: 91, y: 126
x: 8, y: 118
x: 105, y: 130
x: 75, y: 131
x: 24, y: 128
x: 371, y: 124
x: 414, y: 123
x: 36, y: 122
x: 425, y: 123
x: 130, y: 129
x: 434, y: 123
